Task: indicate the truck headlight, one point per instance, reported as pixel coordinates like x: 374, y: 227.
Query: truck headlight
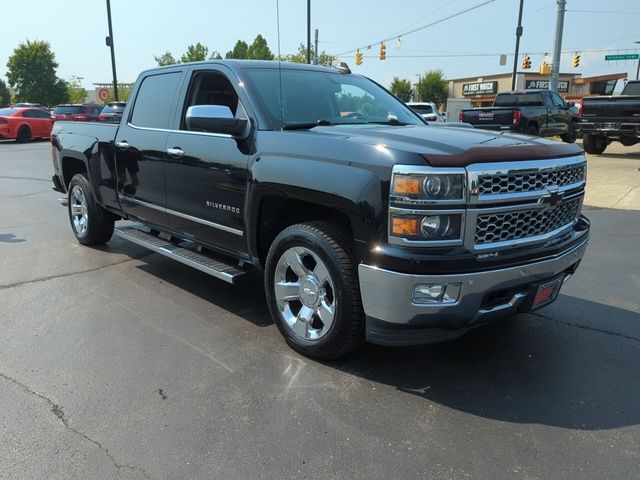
x: 428, y: 227
x: 434, y: 186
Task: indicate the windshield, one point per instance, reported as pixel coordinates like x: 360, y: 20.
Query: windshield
x: 631, y: 88
x: 309, y: 97
x: 6, y: 112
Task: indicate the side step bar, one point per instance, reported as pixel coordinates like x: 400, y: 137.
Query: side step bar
x: 203, y: 262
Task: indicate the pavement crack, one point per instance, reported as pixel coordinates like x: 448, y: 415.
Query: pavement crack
x: 59, y: 413
x: 585, y: 327
x: 70, y: 274
x: 625, y: 196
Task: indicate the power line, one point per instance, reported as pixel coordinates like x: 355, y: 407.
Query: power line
x: 604, y: 11
x: 461, y: 12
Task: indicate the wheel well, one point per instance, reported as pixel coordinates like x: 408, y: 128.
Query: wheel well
x: 71, y: 166
x: 532, y: 123
x: 278, y: 213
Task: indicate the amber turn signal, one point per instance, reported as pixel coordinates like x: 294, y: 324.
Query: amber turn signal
x: 404, y: 226
x: 405, y: 185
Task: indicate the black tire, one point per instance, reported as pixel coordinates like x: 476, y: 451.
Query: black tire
x: 24, y: 134
x: 335, y: 250
x: 594, y: 144
x: 571, y: 135
x: 532, y: 130
x: 98, y: 223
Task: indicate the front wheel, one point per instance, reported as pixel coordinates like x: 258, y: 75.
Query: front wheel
x: 91, y: 224
x: 594, y: 144
x: 570, y: 136
x: 312, y: 290
x: 24, y: 134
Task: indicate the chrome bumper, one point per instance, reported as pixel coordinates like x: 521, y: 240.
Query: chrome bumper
x: 387, y: 296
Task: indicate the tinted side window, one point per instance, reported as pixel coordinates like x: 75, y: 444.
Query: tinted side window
x: 557, y: 99
x: 29, y: 114
x: 154, y: 99
x: 41, y: 114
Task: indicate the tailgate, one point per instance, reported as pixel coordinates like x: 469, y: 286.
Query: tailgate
x: 489, y: 117
x: 623, y: 108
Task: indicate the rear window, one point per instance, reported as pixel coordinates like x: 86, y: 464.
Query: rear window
x: 524, y: 99
x: 153, y: 102
x: 422, y: 109
x: 70, y: 110
x: 113, y: 109
x: 632, y: 89
x: 5, y: 112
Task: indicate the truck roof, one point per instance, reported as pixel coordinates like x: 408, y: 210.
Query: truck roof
x: 244, y: 64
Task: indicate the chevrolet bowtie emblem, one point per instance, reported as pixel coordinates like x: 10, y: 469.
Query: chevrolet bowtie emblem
x: 552, y: 197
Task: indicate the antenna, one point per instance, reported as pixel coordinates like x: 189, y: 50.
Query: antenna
x: 279, y: 60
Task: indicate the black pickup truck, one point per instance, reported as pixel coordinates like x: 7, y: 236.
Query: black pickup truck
x: 534, y: 112
x: 365, y: 222
x: 605, y: 119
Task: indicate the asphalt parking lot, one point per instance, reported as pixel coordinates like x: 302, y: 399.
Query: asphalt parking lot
x: 116, y: 363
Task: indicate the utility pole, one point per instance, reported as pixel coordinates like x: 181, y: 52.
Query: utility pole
x: 638, y: 69
x: 316, y: 49
x: 515, y: 57
x: 308, y: 31
x: 557, y: 48
x: 109, y: 42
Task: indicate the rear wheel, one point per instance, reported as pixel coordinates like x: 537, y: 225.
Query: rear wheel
x: 91, y: 224
x: 532, y: 130
x: 24, y: 134
x: 312, y: 290
x: 594, y: 144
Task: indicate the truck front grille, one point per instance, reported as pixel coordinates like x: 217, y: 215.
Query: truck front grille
x: 516, y: 225
x: 531, y: 181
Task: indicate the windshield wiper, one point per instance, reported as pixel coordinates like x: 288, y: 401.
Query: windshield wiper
x: 391, y: 121
x: 306, y: 125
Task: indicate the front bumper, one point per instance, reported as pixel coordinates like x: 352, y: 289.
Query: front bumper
x: 393, y: 318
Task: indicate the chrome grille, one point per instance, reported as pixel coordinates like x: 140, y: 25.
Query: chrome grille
x: 530, y: 182
x: 515, y: 225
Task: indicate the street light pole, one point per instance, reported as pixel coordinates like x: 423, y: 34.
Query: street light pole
x: 308, y: 31
x: 109, y: 42
x: 515, y: 58
x: 638, y: 69
x: 557, y: 49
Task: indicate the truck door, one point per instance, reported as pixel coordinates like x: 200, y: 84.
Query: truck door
x: 561, y: 114
x: 207, y: 173
x: 140, y: 148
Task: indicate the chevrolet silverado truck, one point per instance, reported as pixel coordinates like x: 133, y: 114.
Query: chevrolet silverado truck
x: 611, y: 118
x: 365, y: 222
x: 534, y: 112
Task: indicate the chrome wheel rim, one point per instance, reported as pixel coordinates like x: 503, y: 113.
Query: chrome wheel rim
x: 305, y: 294
x: 78, y: 208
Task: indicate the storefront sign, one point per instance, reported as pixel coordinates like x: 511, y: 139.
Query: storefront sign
x: 479, y: 88
x: 563, y: 85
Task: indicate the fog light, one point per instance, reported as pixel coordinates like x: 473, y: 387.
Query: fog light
x: 436, y: 293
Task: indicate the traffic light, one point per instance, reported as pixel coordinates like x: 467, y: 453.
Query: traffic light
x: 576, y: 61
x: 383, y: 51
x: 526, y: 62
x: 545, y: 68
x: 358, y: 57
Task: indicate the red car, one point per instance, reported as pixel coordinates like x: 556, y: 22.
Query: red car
x: 23, y: 124
x: 86, y: 112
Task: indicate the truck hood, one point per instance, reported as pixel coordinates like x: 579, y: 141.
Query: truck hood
x: 453, y: 146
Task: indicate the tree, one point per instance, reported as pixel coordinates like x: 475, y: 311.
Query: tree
x: 301, y: 56
x: 123, y: 93
x: 259, y: 50
x: 239, y: 51
x: 76, y: 93
x: 32, y: 72
x: 401, y: 88
x: 195, y: 53
x: 5, y: 94
x: 215, y: 56
x: 433, y: 87
x: 165, y: 59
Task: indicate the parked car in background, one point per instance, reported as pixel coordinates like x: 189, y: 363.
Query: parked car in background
x: 427, y: 110
x: 535, y: 112
x: 86, y: 112
x: 23, y: 124
x: 30, y: 105
x: 614, y: 118
x: 112, y: 112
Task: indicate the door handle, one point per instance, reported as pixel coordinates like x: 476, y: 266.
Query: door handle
x: 175, y: 152
x: 124, y: 145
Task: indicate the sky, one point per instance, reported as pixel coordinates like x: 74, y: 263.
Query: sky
x: 76, y: 30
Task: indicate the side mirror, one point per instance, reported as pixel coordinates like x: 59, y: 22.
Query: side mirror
x: 215, y: 119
